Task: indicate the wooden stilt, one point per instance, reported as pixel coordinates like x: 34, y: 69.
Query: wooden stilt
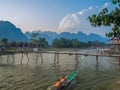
x: 119, y: 60
x: 76, y: 58
x: 97, y: 60
x: 22, y: 58
x: 36, y: 59
x: 7, y: 57
x: 55, y: 60
x: 41, y: 58
x: 27, y: 58
x: 13, y: 58
x: 76, y: 61
x: 1, y: 57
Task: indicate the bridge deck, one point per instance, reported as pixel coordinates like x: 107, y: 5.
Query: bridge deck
x: 57, y: 52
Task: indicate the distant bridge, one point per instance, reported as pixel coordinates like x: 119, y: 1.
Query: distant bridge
x: 56, y: 53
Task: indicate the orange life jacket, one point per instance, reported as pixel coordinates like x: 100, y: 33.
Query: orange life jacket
x: 62, y: 79
x: 57, y: 84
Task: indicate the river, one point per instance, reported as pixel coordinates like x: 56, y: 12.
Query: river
x: 32, y: 76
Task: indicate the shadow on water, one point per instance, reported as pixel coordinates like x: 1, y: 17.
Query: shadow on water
x: 6, y: 65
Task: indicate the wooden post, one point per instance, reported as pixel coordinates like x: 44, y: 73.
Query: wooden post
x: 97, y: 60
x: 7, y: 57
x: 13, y: 58
x: 119, y: 60
x: 76, y: 58
x: 41, y: 58
x: 27, y: 58
x: 22, y: 58
x: 55, y: 60
x: 76, y: 61
x: 1, y: 57
x: 36, y: 59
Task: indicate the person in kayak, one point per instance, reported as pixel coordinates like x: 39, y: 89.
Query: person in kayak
x: 63, y: 79
x: 63, y: 82
x: 58, y: 85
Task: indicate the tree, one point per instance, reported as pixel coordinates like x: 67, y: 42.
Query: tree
x: 75, y: 43
x: 33, y: 38
x: 116, y: 2
x: 42, y: 42
x: 106, y: 18
x: 4, y: 41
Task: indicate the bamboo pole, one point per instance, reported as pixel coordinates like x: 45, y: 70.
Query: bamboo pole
x: 27, y: 58
x: 22, y: 58
x: 36, y: 59
x: 119, y: 60
x: 76, y: 58
x: 97, y: 60
x: 55, y: 60
x: 13, y: 58
x: 7, y: 57
x: 1, y: 57
x: 41, y: 58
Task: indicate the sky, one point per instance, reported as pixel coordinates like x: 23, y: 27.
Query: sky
x: 53, y: 15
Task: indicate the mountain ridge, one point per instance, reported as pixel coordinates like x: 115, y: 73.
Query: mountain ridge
x: 11, y: 32
x: 50, y: 36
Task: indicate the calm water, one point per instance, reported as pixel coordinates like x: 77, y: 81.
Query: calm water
x: 14, y: 76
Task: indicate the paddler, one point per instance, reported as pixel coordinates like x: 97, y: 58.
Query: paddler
x: 63, y: 79
x: 61, y: 83
x: 57, y: 84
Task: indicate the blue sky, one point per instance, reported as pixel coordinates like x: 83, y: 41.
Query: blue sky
x: 53, y: 15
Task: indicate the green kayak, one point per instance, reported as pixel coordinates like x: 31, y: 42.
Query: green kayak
x: 68, y: 81
x: 72, y: 75
x: 64, y: 85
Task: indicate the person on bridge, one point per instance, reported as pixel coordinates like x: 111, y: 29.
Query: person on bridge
x: 102, y: 51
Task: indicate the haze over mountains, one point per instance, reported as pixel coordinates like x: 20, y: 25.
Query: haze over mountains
x: 50, y: 36
x: 9, y: 31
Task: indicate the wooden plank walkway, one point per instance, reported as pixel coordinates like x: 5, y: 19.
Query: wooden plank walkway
x: 57, y: 53
x: 60, y: 52
x: 79, y: 53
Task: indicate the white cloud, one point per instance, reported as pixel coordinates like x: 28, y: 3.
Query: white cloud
x: 69, y: 21
x: 82, y: 11
x: 78, y: 21
x: 85, y: 10
x: 91, y: 7
x: 105, y: 6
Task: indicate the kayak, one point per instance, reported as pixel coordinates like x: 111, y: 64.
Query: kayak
x: 66, y: 83
x: 68, y: 80
x: 72, y: 75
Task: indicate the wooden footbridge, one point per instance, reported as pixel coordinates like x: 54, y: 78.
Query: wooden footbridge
x: 56, y: 55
